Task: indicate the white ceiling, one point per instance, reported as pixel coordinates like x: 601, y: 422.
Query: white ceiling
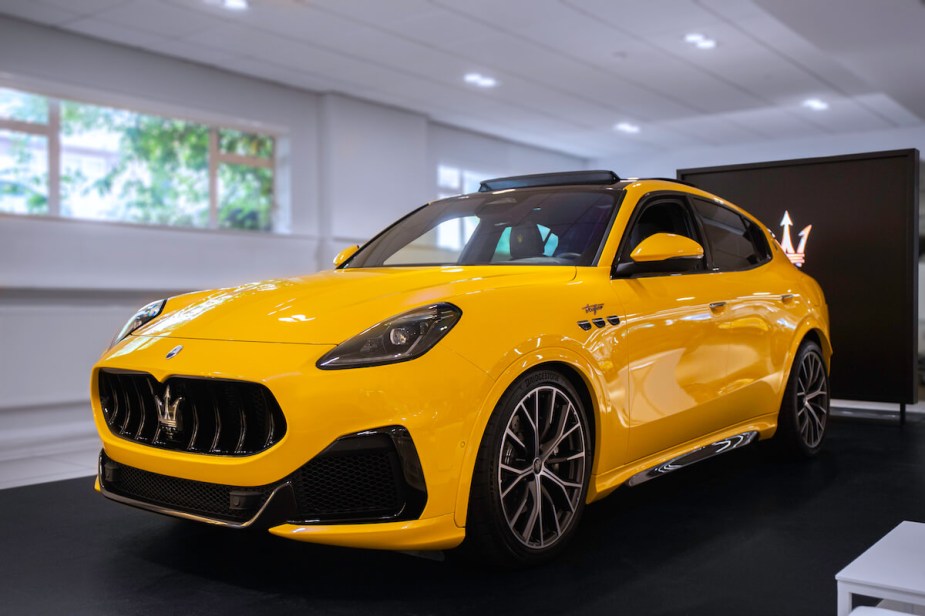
x: 568, y: 70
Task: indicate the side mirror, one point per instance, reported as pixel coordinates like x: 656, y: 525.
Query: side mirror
x: 665, y: 246
x: 345, y: 254
x: 661, y: 253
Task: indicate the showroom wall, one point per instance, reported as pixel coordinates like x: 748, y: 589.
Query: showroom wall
x: 345, y: 168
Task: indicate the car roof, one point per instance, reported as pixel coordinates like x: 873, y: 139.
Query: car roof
x: 598, y: 177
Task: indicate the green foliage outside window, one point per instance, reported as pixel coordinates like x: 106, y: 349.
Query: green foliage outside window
x: 121, y: 165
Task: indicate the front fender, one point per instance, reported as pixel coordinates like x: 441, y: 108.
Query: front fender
x: 608, y: 421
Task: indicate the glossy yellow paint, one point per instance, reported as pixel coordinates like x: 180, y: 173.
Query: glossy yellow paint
x: 673, y: 375
x: 345, y: 254
x: 662, y: 246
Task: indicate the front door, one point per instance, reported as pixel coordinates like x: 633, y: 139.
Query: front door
x: 674, y: 346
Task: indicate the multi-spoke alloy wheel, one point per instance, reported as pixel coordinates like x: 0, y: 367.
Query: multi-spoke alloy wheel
x: 542, y: 468
x: 812, y: 400
x: 804, y: 412
x: 531, y: 475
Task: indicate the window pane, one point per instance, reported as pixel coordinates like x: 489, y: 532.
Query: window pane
x: 731, y: 247
x: 542, y: 227
x: 245, y: 197
x: 448, y: 177
x: 23, y: 106
x: 245, y: 144
x: 120, y: 165
x: 23, y: 173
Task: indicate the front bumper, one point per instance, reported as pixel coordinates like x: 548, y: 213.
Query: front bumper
x: 434, y: 399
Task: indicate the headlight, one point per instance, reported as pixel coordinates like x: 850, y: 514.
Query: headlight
x: 399, y: 338
x: 146, y: 314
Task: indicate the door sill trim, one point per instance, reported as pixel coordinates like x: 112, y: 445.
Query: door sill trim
x: 692, y: 457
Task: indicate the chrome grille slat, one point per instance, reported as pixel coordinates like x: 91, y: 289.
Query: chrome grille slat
x: 242, y: 418
x: 114, y: 401
x: 141, y: 410
x: 192, y: 439
x: 214, y: 416
x: 128, y: 409
x: 218, y: 426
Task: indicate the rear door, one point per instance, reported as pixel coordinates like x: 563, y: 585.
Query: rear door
x: 756, y: 329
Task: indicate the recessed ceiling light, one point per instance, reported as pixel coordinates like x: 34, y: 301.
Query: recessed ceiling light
x: 235, y: 5
x: 480, y: 80
x: 699, y: 40
x: 626, y: 127
x: 816, y: 104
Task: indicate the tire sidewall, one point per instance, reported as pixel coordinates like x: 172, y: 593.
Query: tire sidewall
x: 788, y: 420
x: 489, y: 456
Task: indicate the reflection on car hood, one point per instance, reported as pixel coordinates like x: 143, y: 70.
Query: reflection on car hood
x: 330, y: 307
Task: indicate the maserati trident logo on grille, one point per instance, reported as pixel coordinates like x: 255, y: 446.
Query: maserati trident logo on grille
x: 173, y: 352
x: 167, y: 412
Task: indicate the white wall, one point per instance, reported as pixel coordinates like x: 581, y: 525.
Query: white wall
x: 346, y: 169
x: 375, y: 169
x: 477, y: 152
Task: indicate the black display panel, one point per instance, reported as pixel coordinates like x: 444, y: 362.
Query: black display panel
x: 851, y: 222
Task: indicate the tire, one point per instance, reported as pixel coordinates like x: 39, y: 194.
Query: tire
x: 804, y: 412
x: 525, y: 504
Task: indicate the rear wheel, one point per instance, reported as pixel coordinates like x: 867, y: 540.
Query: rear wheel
x: 804, y: 412
x: 531, y: 475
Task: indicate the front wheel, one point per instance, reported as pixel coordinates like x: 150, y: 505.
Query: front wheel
x: 804, y: 411
x: 531, y: 474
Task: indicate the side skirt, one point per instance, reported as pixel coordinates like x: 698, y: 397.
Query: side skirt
x: 692, y: 457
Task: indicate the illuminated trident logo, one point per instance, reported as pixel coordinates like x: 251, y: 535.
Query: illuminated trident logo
x: 798, y: 256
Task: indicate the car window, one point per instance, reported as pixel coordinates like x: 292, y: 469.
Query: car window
x: 548, y: 240
x: 735, y: 242
x: 555, y: 226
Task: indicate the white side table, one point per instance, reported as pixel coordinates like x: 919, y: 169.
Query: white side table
x: 893, y: 568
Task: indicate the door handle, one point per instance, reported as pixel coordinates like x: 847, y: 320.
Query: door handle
x: 716, y: 306
x: 786, y: 297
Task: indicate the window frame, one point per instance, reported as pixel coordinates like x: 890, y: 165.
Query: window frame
x: 769, y: 255
x: 647, y: 200
x: 51, y: 131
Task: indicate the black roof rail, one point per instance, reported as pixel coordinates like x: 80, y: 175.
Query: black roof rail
x: 675, y: 180
x: 564, y: 178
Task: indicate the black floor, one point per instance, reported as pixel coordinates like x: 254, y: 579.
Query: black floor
x: 741, y: 534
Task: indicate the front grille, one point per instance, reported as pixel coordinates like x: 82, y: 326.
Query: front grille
x: 359, y: 478
x: 212, y: 416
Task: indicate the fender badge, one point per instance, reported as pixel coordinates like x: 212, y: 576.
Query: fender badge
x: 173, y: 352
x: 592, y: 308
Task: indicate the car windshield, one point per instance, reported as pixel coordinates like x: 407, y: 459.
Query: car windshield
x: 553, y: 226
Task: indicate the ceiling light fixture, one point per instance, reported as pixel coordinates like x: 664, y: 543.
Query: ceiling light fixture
x: 816, y: 104
x: 699, y: 41
x: 480, y: 80
x: 235, y: 5
x: 626, y: 127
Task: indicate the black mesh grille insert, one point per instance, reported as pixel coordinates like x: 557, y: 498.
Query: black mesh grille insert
x: 347, y: 482
x: 359, y: 478
x: 211, y: 500
x: 212, y: 416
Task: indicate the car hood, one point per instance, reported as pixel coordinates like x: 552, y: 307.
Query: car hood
x: 330, y: 307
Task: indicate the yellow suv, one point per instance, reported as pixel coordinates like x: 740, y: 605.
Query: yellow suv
x: 480, y: 370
